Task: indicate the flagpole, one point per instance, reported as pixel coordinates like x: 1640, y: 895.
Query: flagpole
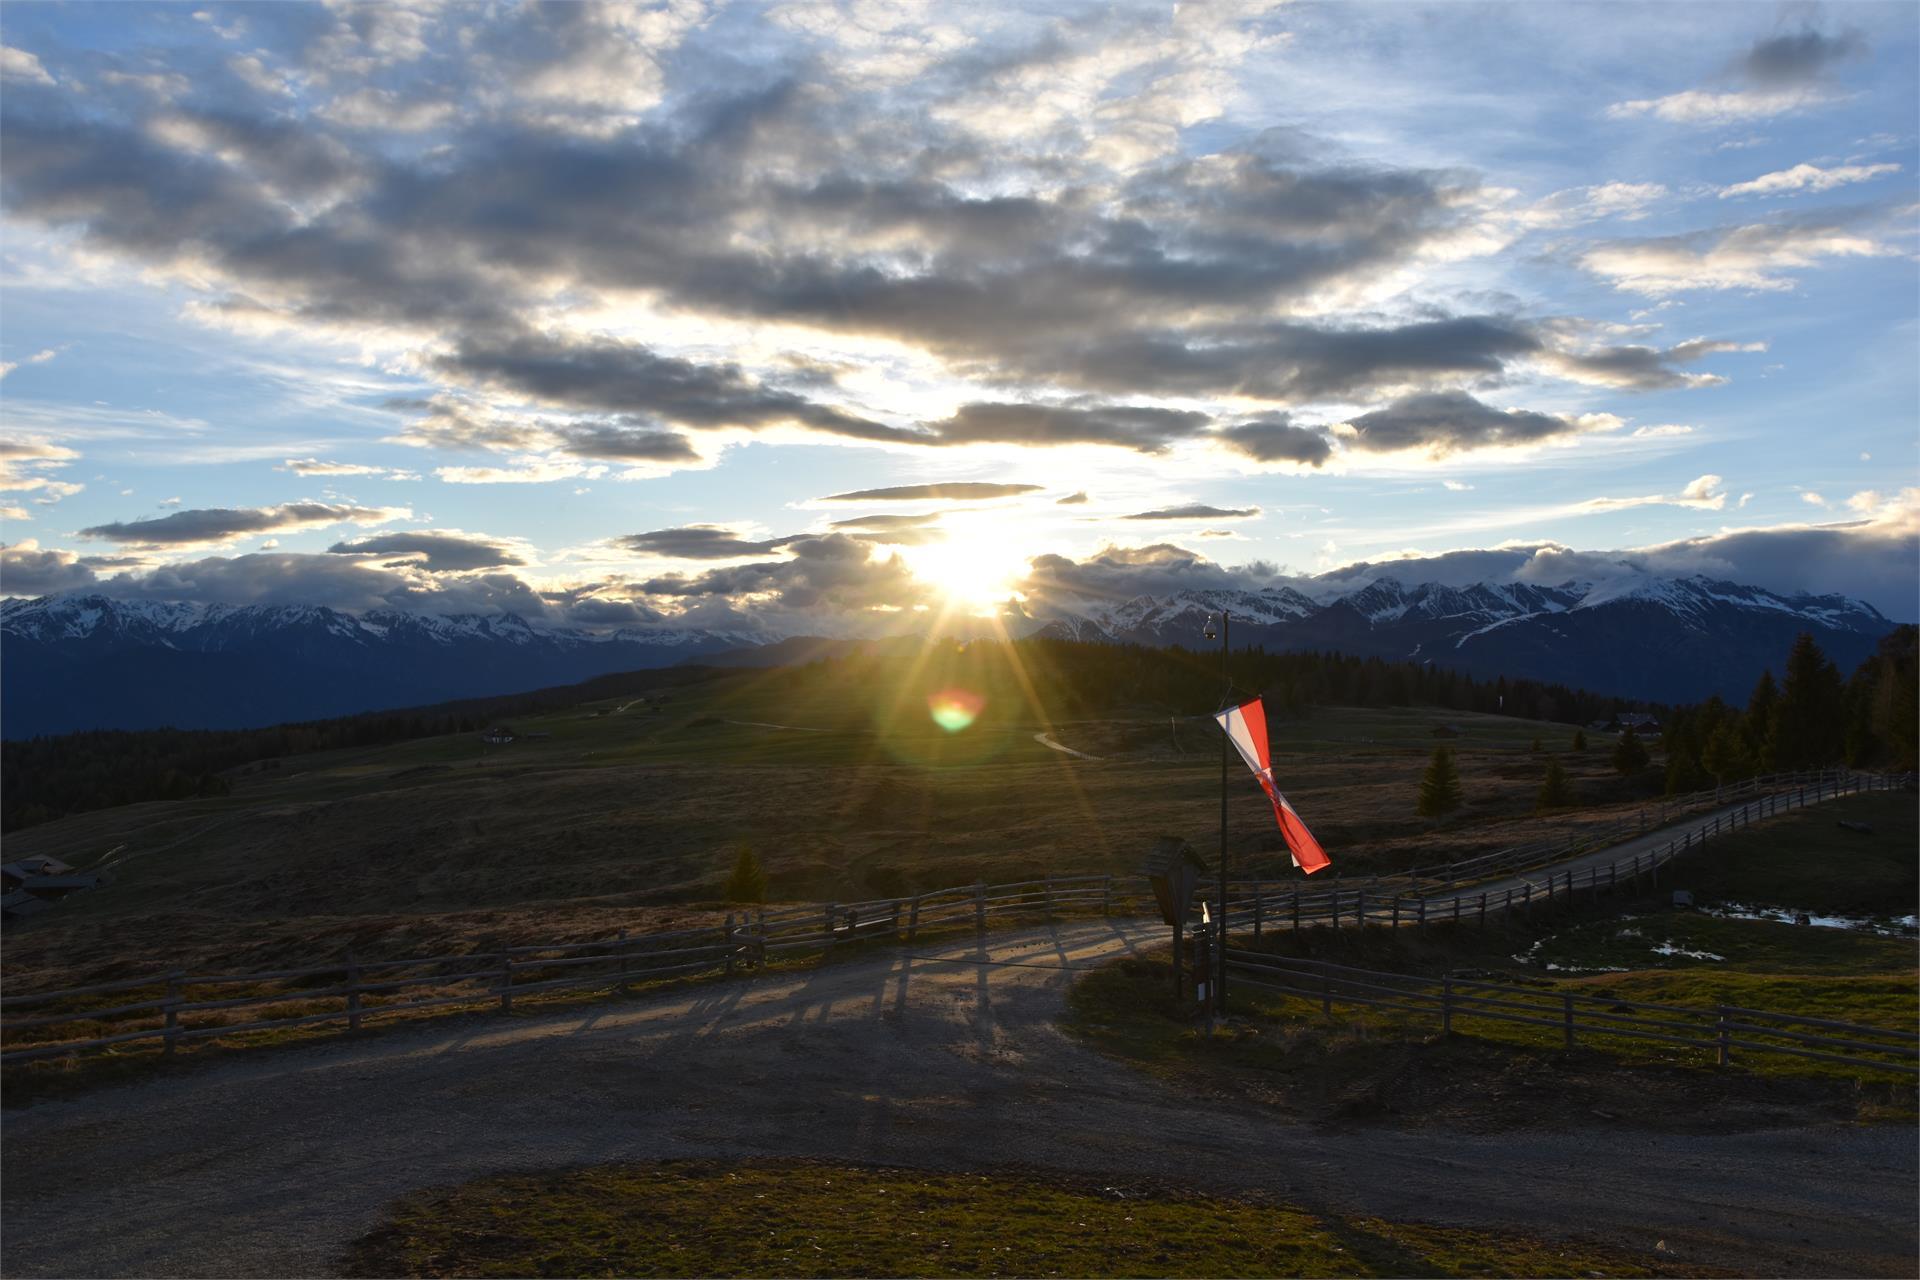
x: 1220, y: 978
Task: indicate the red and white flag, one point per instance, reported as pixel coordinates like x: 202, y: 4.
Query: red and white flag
x: 1246, y: 726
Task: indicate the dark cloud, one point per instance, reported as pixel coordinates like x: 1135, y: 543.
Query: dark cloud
x: 617, y: 442
x: 1641, y: 368
x: 1072, y: 499
x: 217, y: 524
x: 833, y: 572
x: 270, y: 578
x: 29, y: 571
x: 1275, y: 439
x: 1799, y: 58
x: 1143, y: 428
x: 1283, y: 361
x: 608, y: 376
x: 1196, y: 511
x: 434, y: 550
x: 699, y: 542
x: 1446, y: 422
x: 1122, y: 573
x: 884, y: 522
x: 954, y: 491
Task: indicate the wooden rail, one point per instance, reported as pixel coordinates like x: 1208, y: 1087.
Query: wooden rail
x: 1723, y: 1029
x: 170, y: 1008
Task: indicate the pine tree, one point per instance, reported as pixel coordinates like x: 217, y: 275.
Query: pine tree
x: 748, y: 881
x: 1629, y: 757
x: 1440, y: 788
x: 1535, y: 748
x: 1809, y: 726
x: 1579, y: 739
x: 1725, y: 755
x: 1556, y: 792
x: 1761, y: 706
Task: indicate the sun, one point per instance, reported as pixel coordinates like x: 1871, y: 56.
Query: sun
x: 976, y: 568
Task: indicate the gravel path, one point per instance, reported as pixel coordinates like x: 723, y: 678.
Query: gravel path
x: 271, y: 1166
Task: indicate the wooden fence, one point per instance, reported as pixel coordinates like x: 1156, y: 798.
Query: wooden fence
x: 178, y: 1007
x: 1721, y: 1029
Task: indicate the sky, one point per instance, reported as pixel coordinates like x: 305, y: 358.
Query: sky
x: 837, y: 317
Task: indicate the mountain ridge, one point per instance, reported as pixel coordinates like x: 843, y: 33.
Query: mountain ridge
x: 87, y: 660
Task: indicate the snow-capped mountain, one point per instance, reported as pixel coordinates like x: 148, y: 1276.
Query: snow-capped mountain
x: 92, y: 661
x: 1641, y: 636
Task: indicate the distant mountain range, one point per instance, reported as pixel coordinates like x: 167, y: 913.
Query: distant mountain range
x: 91, y: 661
x: 1659, y: 639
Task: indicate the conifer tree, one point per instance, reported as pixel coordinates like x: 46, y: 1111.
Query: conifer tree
x: 1556, y: 792
x: 748, y: 881
x: 1579, y: 739
x: 1808, y: 722
x: 1629, y: 757
x: 1440, y: 788
x: 1726, y: 756
x: 1759, y: 726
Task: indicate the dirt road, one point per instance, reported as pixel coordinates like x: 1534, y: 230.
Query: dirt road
x: 271, y: 1166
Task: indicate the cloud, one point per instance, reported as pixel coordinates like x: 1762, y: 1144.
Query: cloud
x: 1662, y: 431
x: 603, y: 375
x: 1456, y: 486
x: 436, y: 550
x: 1784, y: 73
x: 699, y: 542
x: 1702, y: 494
x: 1699, y: 108
x: 22, y: 67
x: 1276, y: 439
x: 1807, y: 178
x: 320, y: 467
x: 26, y: 570
x: 951, y: 491
x: 1641, y: 368
x: 1196, y: 511
x: 1074, y: 499
x: 1745, y: 257
x: 38, y: 357
x: 829, y: 573
x: 1448, y: 422
x: 1055, y: 583
x: 226, y: 524
x: 28, y: 464
x: 1143, y: 428
x: 528, y: 470
x: 1800, y: 58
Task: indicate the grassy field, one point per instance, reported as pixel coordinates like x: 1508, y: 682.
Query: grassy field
x: 630, y: 812
x: 1362, y: 1063
x: 807, y: 1219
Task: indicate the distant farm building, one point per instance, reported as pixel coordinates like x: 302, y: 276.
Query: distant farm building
x: 36, y: 883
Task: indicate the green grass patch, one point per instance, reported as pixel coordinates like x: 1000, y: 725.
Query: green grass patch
x: 1807, y: 861
x: 789, y: 1218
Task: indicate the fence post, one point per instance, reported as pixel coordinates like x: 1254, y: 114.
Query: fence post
x: 620, y: 950
x: 833, y: 909
x: 1423, y: 913
x: 1446, y: 1004
x: 726, y: 942
x: 1360, y: 907
x: 980, y: 908
x: 1049, y: 893
x: 1526, y: 900
x: 1613, y: 878
x: 353, y: 992
x: 506, y: 981
x: 1568, y: 1018
x: 173, y: 1009
x: 1396, y: 911
x: 1724, y: 1039
x: 1106, y: 897
x: 1456, y: 907
x: 1259, y: 911
x: 913, y: 918
x: 1483, y: 910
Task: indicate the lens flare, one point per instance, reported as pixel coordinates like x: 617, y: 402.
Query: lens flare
x: 955, y: 709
